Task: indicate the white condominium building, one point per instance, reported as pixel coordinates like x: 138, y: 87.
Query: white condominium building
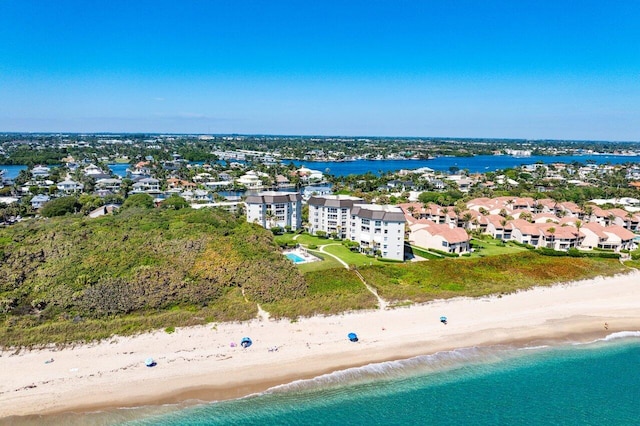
x: 270, y: 209
x: 331, y: 213
x: 378, y: 229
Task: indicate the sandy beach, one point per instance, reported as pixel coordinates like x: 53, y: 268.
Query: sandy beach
x: 200, y: 362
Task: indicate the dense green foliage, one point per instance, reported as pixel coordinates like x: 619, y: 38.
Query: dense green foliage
x: 140, y: 262
x: 60, y: 206
x: 139, y: 200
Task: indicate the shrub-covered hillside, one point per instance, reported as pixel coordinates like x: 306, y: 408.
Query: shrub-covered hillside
x: 138, y: 264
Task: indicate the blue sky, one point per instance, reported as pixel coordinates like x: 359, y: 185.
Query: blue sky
x: 508, y: 69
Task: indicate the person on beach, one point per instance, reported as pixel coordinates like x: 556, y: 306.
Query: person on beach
x: 606, y: 325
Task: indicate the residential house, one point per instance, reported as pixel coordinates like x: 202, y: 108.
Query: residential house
x: 251, y: 180
x: 110, y: 184
x: 39, y: 200
x: 40, y: 172
x: 70, y: 187
x: 146, y: 185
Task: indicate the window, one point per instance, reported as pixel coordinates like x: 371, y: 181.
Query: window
x: 378, y: 223
x: 365, y: 221
x: 386, y: 231
x: 445, y: 244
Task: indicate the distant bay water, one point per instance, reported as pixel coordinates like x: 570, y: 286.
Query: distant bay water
x: 476, y: 164
x: 11, y: 171
x: 583, y: 384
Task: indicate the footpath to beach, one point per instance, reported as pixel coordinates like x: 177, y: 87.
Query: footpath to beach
x: 199, y: 363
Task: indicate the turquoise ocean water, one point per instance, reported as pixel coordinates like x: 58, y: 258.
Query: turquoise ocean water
x: 587, y: 384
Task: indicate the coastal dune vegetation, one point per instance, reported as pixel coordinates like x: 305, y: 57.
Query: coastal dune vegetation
x: 74, y: 279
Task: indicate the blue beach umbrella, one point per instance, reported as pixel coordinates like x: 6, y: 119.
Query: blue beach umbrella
x: 443, y: 319
x: 245, y: 342
x: 353, y: 337
x: 149, y: 362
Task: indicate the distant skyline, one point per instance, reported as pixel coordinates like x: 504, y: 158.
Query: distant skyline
x: 460, y: 69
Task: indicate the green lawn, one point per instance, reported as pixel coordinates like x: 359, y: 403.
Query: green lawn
x: 493, y: 247
x: 334, y: 247
x: 328, y: 262
x: 350, y: 257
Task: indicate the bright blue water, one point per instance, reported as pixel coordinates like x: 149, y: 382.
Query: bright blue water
x: 294, y: 258
x: 11, y: 172
x: 480, y: 163
x: 594, y: 384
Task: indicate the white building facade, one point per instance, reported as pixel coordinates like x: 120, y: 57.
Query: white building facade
x: 378, y: 229
x: 271, y: 209
x: 331, y: 214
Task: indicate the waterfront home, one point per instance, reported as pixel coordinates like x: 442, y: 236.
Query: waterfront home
x: 379, y: 229
x: 173, y: 183
x: 309, y: 175
x: 331, y: 213
x: 70, y: 187
x: 146, y: 185
x: 109, y: 184
x: 283, y: 182
x: 39, y: 200
x: 40, y: 172
x: 270, y: 209
x: 309, y: 191
x: 92, y: 170
x: 251, y: 180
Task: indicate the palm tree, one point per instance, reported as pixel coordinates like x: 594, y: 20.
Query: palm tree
x: 466, y: 218
x: 551, y: 231
x: 270, y: 216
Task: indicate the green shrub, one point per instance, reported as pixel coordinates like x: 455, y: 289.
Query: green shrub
x: 60, y: 207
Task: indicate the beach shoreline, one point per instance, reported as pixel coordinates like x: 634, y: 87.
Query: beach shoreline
x: 198, y: 364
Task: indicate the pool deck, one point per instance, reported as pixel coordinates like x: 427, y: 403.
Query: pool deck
x: 302, y: 254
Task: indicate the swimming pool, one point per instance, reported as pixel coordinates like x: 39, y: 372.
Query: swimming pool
x: 295, y: 258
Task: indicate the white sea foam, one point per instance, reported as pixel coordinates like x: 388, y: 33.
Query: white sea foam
x: 438, y: 361
x: 620, y: 335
